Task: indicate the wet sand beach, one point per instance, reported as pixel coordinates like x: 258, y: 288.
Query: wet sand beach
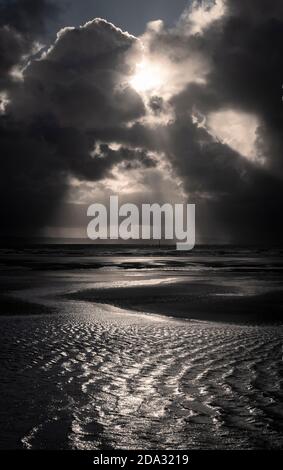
x: 192, y: 300
x: 85, y: 364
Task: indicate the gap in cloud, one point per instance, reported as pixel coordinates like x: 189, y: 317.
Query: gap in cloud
x: 201, y: 14
x: 238, y: 130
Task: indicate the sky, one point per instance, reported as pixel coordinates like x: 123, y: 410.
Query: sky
x: 156, y: 101
x: 129, y: 15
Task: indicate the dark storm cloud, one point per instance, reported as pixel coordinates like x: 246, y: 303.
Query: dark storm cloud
x: 51, y: 127
x: 82, y: 80
x: 248, y: 68
x: 156, y: 104
x: 236, y: 199
x: 12, y: 48
x: 246, y: 49
x: 28, y: 17
x: 256, y: 9
x: 75, y: 102
x: 22, y: 23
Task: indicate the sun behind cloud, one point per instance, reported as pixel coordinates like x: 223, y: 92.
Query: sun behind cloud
x: 147, y: 77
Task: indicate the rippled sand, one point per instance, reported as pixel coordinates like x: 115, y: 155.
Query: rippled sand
x: 94, y: 376
x: 104, y: 378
